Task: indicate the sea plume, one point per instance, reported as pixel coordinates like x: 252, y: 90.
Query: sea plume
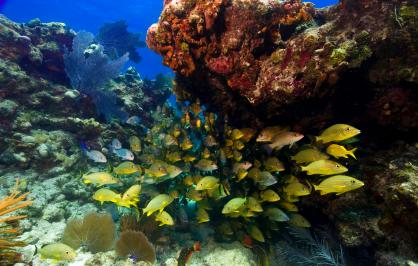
x: 96, y: 231
x: 9, y: 225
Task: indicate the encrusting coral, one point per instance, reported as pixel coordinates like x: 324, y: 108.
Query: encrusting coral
x: 9, y: 225
x: 96, y: 231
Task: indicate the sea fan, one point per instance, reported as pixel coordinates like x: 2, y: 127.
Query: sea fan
x: 135, y: 245
x: 96, y: 231
x: 89, y: 69
x: 9, y: 226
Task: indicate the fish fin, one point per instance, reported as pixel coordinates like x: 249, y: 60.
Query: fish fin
x: 86, y: 181
x: 323, y: 192
x: 339, y: 193
x: 268, y: 148
x: 351, y: 153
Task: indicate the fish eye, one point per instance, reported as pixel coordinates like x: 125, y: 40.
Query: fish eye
x: 337, y: 166
x: 352, y: 181
x: 67, y: 252
x: 347, y: 129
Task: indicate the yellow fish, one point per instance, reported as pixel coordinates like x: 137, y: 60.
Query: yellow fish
x: 255, y: 233
x: 176, y: 132
x: 269, y: 195
x: 173, y: 157
x: 135, y: 144
x: 339, y: 151
x: 202, y: 215
x: 273, y: 164
x: 186, y: 144
x: 127, y: 168
x: 241, y: 174
x: 208, y: 182
x: 170, y: 140
x: 173, y: 171
x: 156, y: 170
x: 229, y: 142
x: 338, y: 184
x: 158, y: 203
x: 100, y: 179
x: 277, y: 215
x: 131, y: 196
x: 238, y: 145
x: 237, y: 156
x: 104, y: 194
x: 248, y: 134
x: 164, y: 218
x: 267, y: 134
x: 189, y: 158
x: 236, y: 134
x: 233, y: 205
x: 206, y: 165
x: 337, y: 132
x: 297, y: 189
x: 57, y: 252
x: 298, y: 220
x: 288, y: 206
x: 194, y: 195
x: 324, y: 167
x: 254, y: 205
x: 210, y: 141
x: 241, y: 166
x: 205, y: 153
x: 188, y: 181
x: 308, y: 156
x: 254, y: 174
x: 283, y: 139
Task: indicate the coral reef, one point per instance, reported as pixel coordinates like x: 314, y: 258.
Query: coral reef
x: 269, y: 59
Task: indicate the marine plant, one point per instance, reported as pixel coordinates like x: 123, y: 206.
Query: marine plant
x: 117, y: 41
x: 96, y: 231
x: 89, y: 69
x: 9, y: 225
x: 135, y: 245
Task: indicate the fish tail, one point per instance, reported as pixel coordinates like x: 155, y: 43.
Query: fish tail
x: 315, y: 186
x: 303, y: 168
x: 351, y: 153
x: 318, y: 139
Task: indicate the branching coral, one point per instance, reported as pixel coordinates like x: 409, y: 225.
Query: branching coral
x: 96, y: 231
x: 135, y: 245
x: 9, y: 228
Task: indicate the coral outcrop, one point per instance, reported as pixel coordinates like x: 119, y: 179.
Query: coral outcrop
x: 270, y: 58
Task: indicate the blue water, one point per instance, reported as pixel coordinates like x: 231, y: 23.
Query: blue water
x: 90, y: 15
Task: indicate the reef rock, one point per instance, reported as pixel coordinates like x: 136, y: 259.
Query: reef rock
x: 270, y: 58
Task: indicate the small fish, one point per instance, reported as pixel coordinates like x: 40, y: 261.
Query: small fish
x: 173, y: 171
x: 157, y: 170
x: 277, y: 215
x: 288, y: 206
x: 170, y: 140
x: 124, y: 154
x: 273, y: 164
x: 338, y: 184
x: 283, y: 139
x: 104, y: 194
x: 241, y: 166
x: 158, y: 203
x: 308, y: 156
x: 298, y: 220
x: 210, y: 141
x: 194, y: 195
x: 267, y: 134
x: 254, y: 173
x: 186, y: 144
x: 188, y: 181
x: 255, y: 233
x: 337, y: 132
x: 116, y: 144
x: 241, y: 174
x: 324, y: 167
x: 176, y: 132
x: 237, y: 156
x: 135, y: 144
x: 269, y: 195
x: 254, y: 205
x: 131, y: 196
x: 229, y: 142
x: 202, y: 215
x: 99, y: 179
x: 205, y: 153
x: 186, y: 254
x: 239, y: 145
x: 206, y: 165
x: 133, y: 121
x: 248, y: 134
x: 296, y: 189
x: 338, y: 151
x: 164, y: 218
x: 57, y: 252
x: 127, y: 168
x: 207, y: 182
x: 173, y: 157
x: 189, y: 158
x: 266, y: 179
x: 236, y: 134
x: 95, y: 156
x: 233, y: 205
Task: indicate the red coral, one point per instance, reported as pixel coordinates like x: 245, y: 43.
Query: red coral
x: 221, y: 65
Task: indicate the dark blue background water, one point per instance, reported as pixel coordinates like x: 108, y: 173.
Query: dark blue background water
x: 90, y: 15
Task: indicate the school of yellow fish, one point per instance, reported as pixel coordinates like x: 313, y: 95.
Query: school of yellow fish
x: 229, y: 174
